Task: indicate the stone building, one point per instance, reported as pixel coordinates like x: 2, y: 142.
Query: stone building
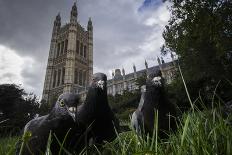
x: 70, y: 60
x: 121, y: 81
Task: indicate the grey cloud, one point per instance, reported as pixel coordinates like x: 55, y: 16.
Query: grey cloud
x: 7, y: 75
x: 26, y: 27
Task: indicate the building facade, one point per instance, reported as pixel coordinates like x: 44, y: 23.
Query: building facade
x: 70, y: 60
x: 121, y: 81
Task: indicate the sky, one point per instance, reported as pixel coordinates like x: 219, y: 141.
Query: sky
x: 126, y: 32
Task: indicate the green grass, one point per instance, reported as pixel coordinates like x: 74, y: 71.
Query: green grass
x: 7, y: 145
x: 205, y: 132
x: 198, y: 133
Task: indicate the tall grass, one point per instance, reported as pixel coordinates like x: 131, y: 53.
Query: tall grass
x: 7, y: 145
x: 198, y: 132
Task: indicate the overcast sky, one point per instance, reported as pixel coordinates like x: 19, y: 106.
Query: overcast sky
x: 126, y: 32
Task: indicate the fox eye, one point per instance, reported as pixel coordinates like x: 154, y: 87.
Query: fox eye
x: 62, y: 103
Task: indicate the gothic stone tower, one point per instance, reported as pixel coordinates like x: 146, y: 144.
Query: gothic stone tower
x: 70, y: 60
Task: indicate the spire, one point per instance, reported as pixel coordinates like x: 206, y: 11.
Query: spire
x: 74, y: 13
x: 57, y: 24
x: 57, y: 21
x: 90, y: 24
x: 158, y: 59
x: 134, y: 67
x: 146, y: 65
x: 123, y: 71
x: 135, y: 74
x: 112, y: 74
x: 58, y: 18
x: 162, y: 60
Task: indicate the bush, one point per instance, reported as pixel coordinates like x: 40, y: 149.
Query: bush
x: 16, y: 108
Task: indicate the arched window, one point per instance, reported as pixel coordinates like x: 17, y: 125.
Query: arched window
x: 84, y: 78
x: 78, y: 47
x: 85, y: 52
x: 63, y: 75
x: 62, y: 48
x: 58, y: 81
x: 54, y: 79
x: 76, y: 76
x: 80, y: 78
x: 58, y: 50
x: 66, y: 45
x: 81, y: 50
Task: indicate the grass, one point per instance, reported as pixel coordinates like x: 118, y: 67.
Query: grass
x: 205, y: 132
x: 198, y: 133
x: 7, y: 145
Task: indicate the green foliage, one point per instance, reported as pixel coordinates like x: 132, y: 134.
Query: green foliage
x: 124, y: 104
x: 200, y: 33
x: 7, y: 145
x: 141, y: 81
x: 44, y: 108
x: 16, y: 107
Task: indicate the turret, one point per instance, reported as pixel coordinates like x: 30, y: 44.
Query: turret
x: 90, y: 47
x: 57, y: 24
x: 114, y: 88
x: 117, y: 73
x: 112, y: 74
x: 49, y: 71
x: 159, y: 62
x: 90, y: 25
x: 124, y: 79
x: 134, y: 68
x: 74, y: 13
x: 146, y: 65
x: 123, y: 72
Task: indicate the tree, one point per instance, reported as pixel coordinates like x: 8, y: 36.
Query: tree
x: 17, y: 108
x: 124, y: 104
x: 200, y: 33
x: 141, y: 80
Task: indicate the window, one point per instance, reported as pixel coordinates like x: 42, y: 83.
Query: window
x: 76, y: 76
x: 58, y: 50
x: 66, y: 45
x: 80, y: 78
x: 62, y: 48
x: 54, y: 79
x: 63, y: 75
x: 84, y: 51
x: 78, y: 47
x: 84, y: 77
x: 81, y: 50
x: 58, y: 81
